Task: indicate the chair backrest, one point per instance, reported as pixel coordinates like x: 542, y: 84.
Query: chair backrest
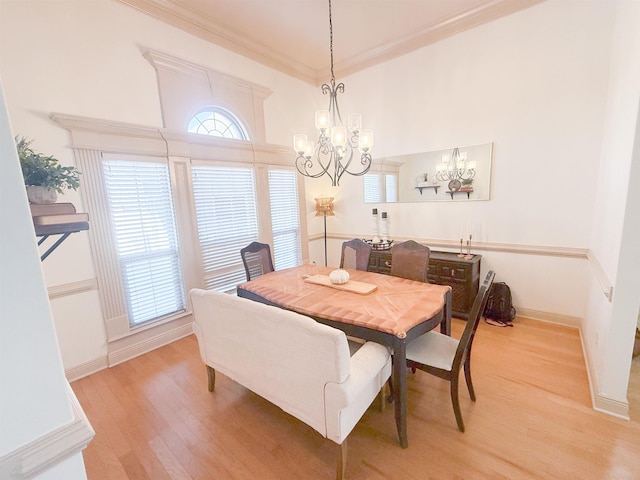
x: 410, y: 260
x: 355, y: 255
x: 466, y: 340
x: 256, y: 258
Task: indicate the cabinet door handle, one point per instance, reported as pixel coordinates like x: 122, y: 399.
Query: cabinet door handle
x: 387, y: 263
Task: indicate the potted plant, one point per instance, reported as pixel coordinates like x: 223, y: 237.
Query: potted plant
x: 43, y: 176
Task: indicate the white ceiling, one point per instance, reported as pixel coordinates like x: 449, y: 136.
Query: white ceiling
x: 292, y: 36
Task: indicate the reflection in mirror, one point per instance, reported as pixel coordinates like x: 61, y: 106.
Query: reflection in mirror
x: 454, y: 174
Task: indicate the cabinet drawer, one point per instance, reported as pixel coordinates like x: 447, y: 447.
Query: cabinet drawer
x: 453, y: 272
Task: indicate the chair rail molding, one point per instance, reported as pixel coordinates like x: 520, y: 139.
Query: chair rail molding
x: 601, y: 275
x: 544, y: 250
x: 50, y: 449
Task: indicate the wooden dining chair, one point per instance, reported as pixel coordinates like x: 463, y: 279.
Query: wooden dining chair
x: 444, y: 356
x: 355, y: 255
x: 256, y: 258
x: 410, y: 260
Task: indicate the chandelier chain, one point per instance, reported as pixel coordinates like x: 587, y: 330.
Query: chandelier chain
x: 333, y: 79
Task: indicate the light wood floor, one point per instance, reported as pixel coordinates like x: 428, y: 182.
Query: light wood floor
x: 155, y: 419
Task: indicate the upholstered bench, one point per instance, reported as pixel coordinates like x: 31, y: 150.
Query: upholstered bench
x: 296, y: 363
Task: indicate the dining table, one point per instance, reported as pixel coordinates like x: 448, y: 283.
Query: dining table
x: 371, y: 306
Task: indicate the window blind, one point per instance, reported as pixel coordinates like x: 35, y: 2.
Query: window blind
x: 285, y: 218
x: 372, y: 188
x: 227, y: 219
x: 143, y: 220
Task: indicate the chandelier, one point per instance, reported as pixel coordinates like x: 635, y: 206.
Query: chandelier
x: 455, y: 168
x: 333, y: 154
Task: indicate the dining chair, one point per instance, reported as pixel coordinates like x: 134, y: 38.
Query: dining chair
x: 444, y: 356
x: 355, y: 255
x: 410, y: 260
x: 256, y: 258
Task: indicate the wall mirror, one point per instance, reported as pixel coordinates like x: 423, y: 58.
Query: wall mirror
x: 453, y: 174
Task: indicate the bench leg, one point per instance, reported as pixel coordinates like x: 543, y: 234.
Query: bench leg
x: 342, y: 460
x: 382, y: 397
x: 211, y: 374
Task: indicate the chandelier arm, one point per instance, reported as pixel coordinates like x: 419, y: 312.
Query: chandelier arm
x: 305, y: 165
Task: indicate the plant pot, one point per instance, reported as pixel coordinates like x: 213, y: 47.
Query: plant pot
x: 41, y: 195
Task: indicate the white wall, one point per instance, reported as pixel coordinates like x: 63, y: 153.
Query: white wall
x: 30, y: 364
x: 535, y: 84
x: 538, y: 85
x: 609, y: 329
x: 86, y: 58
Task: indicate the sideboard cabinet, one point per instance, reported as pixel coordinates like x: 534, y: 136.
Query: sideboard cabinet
x: 445, y: 268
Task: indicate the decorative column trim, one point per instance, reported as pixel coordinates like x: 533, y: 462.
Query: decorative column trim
x: 100, y: 235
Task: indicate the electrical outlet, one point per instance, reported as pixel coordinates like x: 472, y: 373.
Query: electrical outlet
x: 597, y: 337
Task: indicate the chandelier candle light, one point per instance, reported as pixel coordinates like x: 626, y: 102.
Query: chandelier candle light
x: 333, y: 154
x: 455, y: 168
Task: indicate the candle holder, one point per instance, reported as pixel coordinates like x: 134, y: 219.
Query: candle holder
x: 468, y: 256
x: 461, y: 254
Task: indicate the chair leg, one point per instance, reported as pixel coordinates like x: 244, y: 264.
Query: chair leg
x: 342, y: 460
x: 211, y: 375
x: 390, y: 397
x: 456, y: 403
x: 467, y: 376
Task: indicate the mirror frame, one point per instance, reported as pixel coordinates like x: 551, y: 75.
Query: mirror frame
x: 410, y: 186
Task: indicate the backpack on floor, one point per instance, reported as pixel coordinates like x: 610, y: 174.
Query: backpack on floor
x: 499, y: 310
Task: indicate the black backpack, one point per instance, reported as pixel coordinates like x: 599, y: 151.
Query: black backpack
x: 499, y: 310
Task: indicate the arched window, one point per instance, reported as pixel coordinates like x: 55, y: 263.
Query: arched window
x: 217, y: 122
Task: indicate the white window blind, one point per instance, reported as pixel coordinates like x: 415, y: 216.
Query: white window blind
x: 143, y: 220
x: 227, y: 220
x: 285, y: 218
x: 391, y: 187
x: 373, y: 188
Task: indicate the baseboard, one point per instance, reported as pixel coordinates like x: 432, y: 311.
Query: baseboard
x: 599, y: 401
x: 45, y: 452
x: 567, y: 320
x: 611, y: 407
x: 93, y: 366
x: 147, y: 343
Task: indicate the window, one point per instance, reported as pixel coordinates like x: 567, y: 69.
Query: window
x: 217, y: 122
x: 202, y: 204
x: 285, y: 223
x: 380, y: 187
x: 143, y: 221
x: 226, y: 214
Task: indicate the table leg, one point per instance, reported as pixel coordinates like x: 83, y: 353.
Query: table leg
x: 400, y: 389
x: 445, y: 325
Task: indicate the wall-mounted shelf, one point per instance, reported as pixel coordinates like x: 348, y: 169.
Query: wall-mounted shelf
x: 435, y: 187
x: 57, y: 219
x: 468, y: 192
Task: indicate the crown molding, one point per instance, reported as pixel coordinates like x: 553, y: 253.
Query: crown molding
x: 174, y: 14
x: 446, y: 28
x: 213, y: 32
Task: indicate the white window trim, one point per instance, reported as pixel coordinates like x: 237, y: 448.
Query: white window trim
x: 90, y: 137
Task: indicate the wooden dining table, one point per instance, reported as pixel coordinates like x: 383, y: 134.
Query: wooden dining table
x: 380, y: 308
